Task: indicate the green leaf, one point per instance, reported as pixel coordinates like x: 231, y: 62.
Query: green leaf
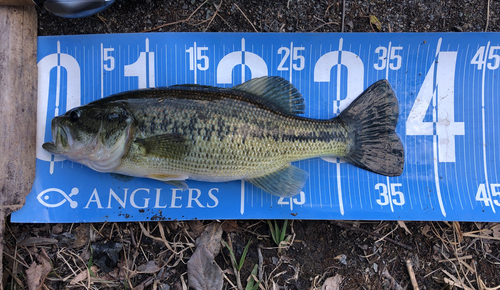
x: 242, y: 259
x: 231, y: 253
x: 283, y: 231
x: 278, y: 234
x: 273, y: 234
x: 251, y: 280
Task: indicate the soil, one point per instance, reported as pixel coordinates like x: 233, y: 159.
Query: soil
x: 368, y: 255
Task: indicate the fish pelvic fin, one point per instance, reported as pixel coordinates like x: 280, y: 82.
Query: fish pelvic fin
x: 176, y: 180
x: 372, y: 119
x: 285, y: 182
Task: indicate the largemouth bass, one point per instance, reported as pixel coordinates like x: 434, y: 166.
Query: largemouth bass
x: 248, y: 132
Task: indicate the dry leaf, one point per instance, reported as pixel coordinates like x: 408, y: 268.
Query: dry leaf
x: 82, y: 234
x: 34, y: 275
x: 374, y: 21
x: 38, y: 272
x: 332, y: 283
x: 496, y: 231
x: 196, y: 227
x: 172, y: 225
x: 80, y: 277
x: 230, y: 226
x: 210, y: 238
x: 425, y: 230
x: 57, y: 229
x: 203, y: 272
x: 403, y: 225
x: 149, y: 267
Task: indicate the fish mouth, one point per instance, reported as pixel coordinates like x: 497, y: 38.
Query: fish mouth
x: 61, y: 141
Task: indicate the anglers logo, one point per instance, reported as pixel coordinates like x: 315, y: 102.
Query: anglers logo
x: 48, y: 199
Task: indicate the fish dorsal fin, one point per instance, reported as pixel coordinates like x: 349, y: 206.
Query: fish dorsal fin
x: 174, y: 146
x: 277, y: 91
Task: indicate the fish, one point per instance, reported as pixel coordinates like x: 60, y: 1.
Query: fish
x: 251, y: 132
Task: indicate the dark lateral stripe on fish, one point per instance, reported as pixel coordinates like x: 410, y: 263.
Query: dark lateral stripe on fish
x: 194, y: 123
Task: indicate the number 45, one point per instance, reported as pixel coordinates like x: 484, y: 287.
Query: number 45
x: 479, y: 58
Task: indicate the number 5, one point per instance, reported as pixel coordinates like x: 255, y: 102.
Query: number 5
x: 494, y: 57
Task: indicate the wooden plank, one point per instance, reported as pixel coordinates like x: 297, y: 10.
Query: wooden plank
x: 18, y: 98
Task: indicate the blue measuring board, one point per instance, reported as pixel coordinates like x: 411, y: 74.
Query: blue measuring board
x: 447, y: 85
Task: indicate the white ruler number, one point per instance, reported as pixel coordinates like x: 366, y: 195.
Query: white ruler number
x: 441, y: 96
x: 394, y: 60
x: 293, y: 200
x: 491, y: 62
x: 297, y: 61
x: 390, y: 195
x: 108, y: 59
x: 197, y: 59
x: 143, y: 68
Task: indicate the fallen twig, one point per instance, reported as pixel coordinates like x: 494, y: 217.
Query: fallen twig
x: 181, y: 21
x: 410, y: 248
x: 324, y: 23
x: 456, y: 259
x: 481, y: 237
x: 412, y: 274
x: 245, y: 17
x: 487, y: 17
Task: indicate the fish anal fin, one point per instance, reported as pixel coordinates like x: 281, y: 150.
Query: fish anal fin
x: 285, y: 182
x: 174, y: 146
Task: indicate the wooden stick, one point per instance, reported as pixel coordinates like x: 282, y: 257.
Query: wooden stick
x: 412, y: 274
x: 18, y: 91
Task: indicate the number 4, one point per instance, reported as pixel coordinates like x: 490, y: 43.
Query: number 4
x: 443, y: 104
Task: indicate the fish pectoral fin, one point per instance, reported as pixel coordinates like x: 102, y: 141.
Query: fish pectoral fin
x: 285, y: 182
x: 176, y: 180
x: 174, y: 146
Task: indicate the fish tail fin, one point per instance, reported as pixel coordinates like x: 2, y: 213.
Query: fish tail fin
x: 372, y: 119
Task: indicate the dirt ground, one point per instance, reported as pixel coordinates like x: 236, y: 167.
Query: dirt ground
x: 364, y: 255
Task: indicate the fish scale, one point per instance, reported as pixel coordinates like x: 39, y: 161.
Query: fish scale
x: 229, y: 154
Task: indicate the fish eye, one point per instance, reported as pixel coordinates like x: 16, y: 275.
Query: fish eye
x: 74, y: 115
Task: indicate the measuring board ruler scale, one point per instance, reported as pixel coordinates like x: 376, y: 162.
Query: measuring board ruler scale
x: 446, y: 84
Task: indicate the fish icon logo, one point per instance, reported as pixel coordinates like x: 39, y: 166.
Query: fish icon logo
x: 54, y: 200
